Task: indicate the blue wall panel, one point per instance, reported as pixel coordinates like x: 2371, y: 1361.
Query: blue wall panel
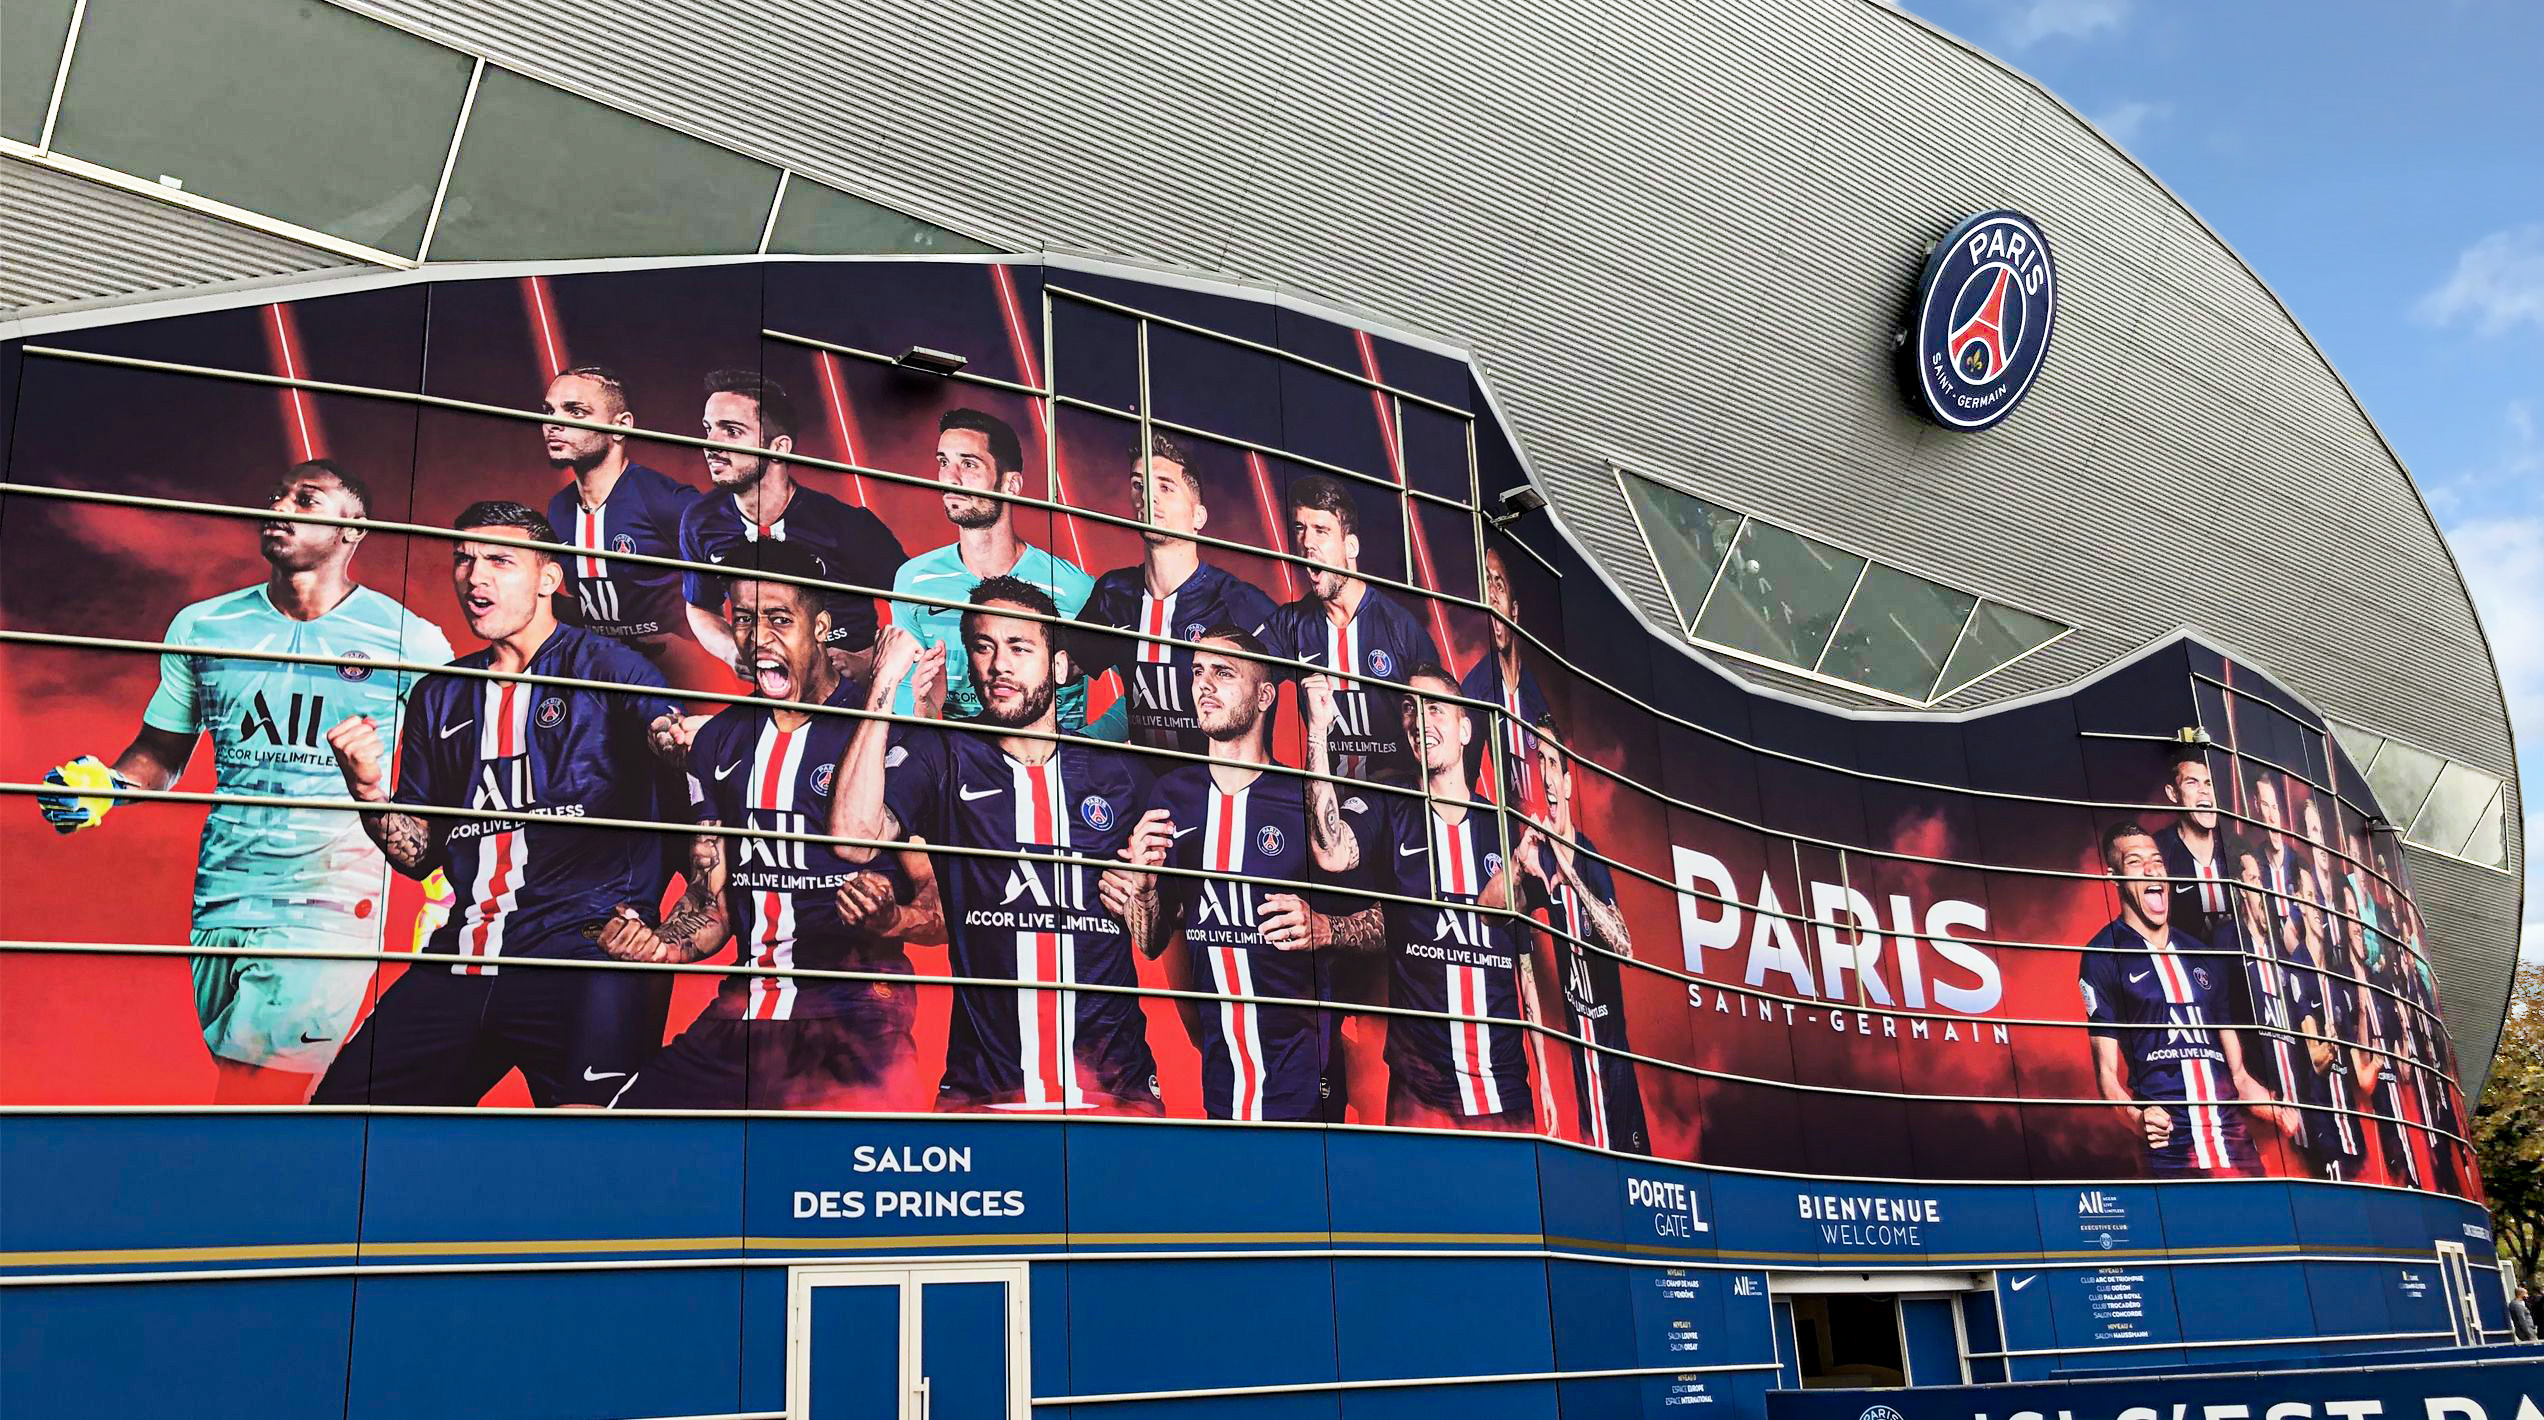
x: 1422, y: 1316
x: 158, y: 1181
x: 1191, y: 1324
x: 1521, y: 1400
x: 257, y: 1350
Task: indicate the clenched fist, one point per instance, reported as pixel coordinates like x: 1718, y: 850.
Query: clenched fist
x: 361, y: 757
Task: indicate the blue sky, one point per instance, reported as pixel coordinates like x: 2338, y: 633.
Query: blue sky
x: 2382, y: 167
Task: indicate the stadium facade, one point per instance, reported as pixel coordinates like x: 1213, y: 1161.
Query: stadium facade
x: 1333, y: 712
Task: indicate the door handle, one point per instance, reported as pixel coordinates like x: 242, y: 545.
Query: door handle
x: 923, y: 1398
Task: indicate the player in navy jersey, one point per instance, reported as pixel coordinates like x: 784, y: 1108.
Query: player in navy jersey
x: 1569, y: 883
x: 612, y: 504
x: 535, y: 884
x: 779, y: 1041
x: 2157, y: 1015
x: 1359, y: 635
x: 757, y: 498
x: 1455, y: 956
x: 1008, y: 782
x: 1246, y: 936
x: 1502, y: 680
x: 1170, y: 592
x: 2279, y: 856
x: 2382, y: 1029
x: 2330, y: 1025
x: 2273, y: 994
x: 2194, y: 856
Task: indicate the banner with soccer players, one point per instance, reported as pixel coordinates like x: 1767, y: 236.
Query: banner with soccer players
x: 919, y: 686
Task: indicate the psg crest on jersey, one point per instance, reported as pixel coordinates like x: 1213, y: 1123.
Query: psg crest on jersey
x: 1980, y: 327
x: 355, y: 653
x: 622, y: 543
x: 1097, y: 813
x: 1267, y: 841
x: 1380, y: 663
x: 822, y: 774
x: 551, y: 713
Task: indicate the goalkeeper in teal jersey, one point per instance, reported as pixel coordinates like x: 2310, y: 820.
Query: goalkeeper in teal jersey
x: 271, y: 876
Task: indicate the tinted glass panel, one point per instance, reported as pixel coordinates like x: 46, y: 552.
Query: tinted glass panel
x: 1781, y: 595
x: 2488, y: 846
x: 2361, y: 745
x: 821, y: 221
x: 1897, y: 633
x: 1687, y: 537
x: 2454, y: 807
x: 308, y: 113
x: 2401, y: 777
x: 31, y: 34
x: 1997, y: 634
x: 544, y: 174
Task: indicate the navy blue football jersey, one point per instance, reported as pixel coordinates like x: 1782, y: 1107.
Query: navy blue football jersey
x: 2330, y: 1097
x: 1011, y: 919
x: 853, y: 544
x: 1381, y: 643
x: 1512, y: 732
x: 625, y: 601
x: 780, y: 895
x: 1604, y: 1085
x: 1257, y: 1061
x: 2166, y: 1010
x: 530, y: 884
x: 1445, y: 955
x: 2273, y: 1000
x: 1159, y: 677
x: 2202, y: 891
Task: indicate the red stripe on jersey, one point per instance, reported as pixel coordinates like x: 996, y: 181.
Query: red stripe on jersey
x: 1046, y: 947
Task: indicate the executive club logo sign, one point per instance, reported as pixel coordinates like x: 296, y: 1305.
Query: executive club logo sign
x: 1986, y: 304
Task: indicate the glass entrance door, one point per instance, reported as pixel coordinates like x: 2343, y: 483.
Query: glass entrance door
x: 2455, y: 1273
x: 907, y: 1343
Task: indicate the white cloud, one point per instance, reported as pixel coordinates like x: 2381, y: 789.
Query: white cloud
x: 2498, y: 283
x: 2072, y: 19
x: 2127, y: 122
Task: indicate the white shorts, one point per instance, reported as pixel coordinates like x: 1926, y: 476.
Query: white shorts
x: 289, y: 1013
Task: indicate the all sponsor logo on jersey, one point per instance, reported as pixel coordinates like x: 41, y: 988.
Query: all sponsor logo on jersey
x: 356, y: 673
x: 302, y: 722
x: 1267, y: 841
x: 1980, y: 325
x: 551, y: 712
x: 1097, y: 812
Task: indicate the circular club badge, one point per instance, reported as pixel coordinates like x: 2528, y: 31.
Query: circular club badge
x: 1986, y: 304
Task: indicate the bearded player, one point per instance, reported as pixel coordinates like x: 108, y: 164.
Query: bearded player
x: 1012, y: 781
x: 1359, y: 636
x: 539, y: 885
x: 771, y: 1039
x: 1462, y: 1062
x: 1570, y: 883
x: 2157, y: 1016
x: 1250, y: 926
x: 1500, y: 679
x: 613, y: 504
x: 1170, y: 592
x: 271, y: 876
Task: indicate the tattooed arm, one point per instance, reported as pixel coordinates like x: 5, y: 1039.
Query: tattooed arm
x: 697, y: 924
x: 1329, y: 840
x: 406, y: 840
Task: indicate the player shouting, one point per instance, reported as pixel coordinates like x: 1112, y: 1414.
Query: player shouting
x: 1007, y: 784
x: 535, y: 884
x: 1354, y: 632
x: 776, y: 1041
x: 271, y: 876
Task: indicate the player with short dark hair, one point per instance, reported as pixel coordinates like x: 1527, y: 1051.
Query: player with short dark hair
x: 2193, y: 857
x: 1170, y: 592
x: 2155, y: 1016
x: 2385, y: 1034
x: 2330, y: 1025
x: 611, y: 503
x: 535, y: 883
x: 1012, y: 782
x: 759, y: 502
x: 1501, y: 679
x: 1572, y: 885
x: 1463, y: 1062
x: 770, y: 1039
x: 978, y: 454
x: 272, y: 876
x: 1253, y: 929
x: 1357, y: 634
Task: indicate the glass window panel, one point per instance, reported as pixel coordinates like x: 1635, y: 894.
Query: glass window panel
x: 1897, y: 633
x: 308, y: 113
x: 2401, y: 777
x: 1997, y: 634
x: 2488, y: 846
x: 2454, y: 807
x: 819, y: 220
x: 1781, y: 595
x: 2360, y: 745
x: 31, y: 35
x: 1687, y: 536
x: 545, y: 174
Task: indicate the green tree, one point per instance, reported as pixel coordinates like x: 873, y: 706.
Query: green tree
x: 2508, y: 1126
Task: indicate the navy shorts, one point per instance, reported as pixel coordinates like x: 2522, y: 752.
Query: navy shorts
x: 855, y: 1055
x: 439, y: 1037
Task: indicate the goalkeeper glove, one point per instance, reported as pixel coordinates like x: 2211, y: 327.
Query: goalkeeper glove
x: 69, y: 813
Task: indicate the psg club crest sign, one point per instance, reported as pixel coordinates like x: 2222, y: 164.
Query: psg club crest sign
x: 1986, y: 305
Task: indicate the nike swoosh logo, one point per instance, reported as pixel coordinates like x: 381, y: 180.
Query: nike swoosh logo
x: 968, y: 793
x: 455, y: 729
x: 593, y: 1076
x: 2026, y: 1280
x: 307, y: 1039
x: 727, y: 771
x: 1196, y: 828
x: 2137, y: 976
x: 1404, y: 852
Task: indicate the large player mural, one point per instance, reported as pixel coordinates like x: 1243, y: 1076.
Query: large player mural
x: 645, y: 690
